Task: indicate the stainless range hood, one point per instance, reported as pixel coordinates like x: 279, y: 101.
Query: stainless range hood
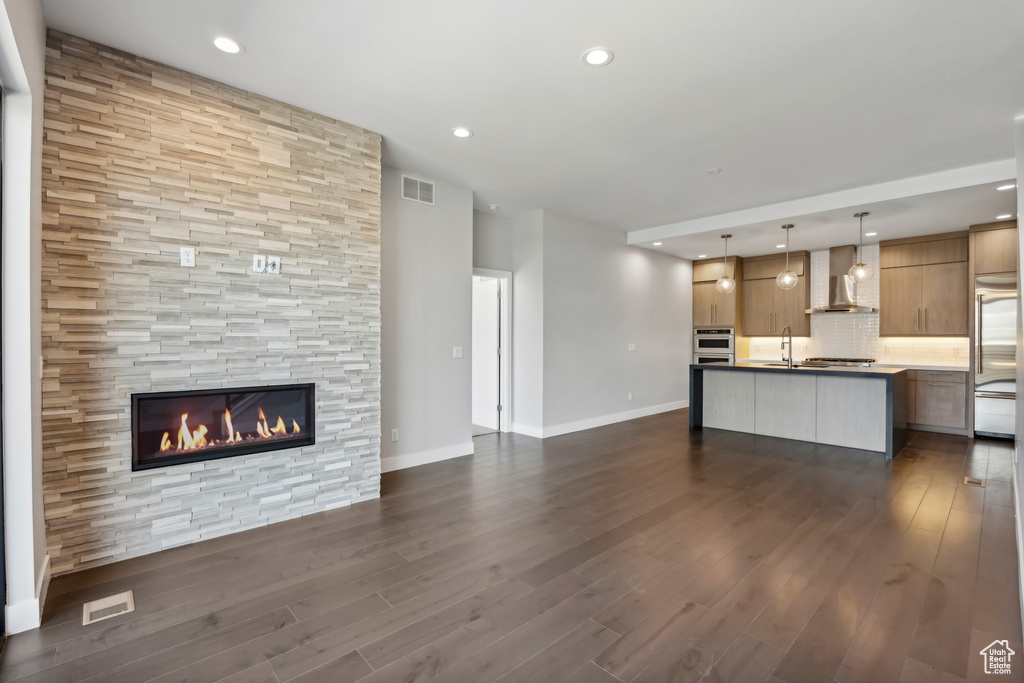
x: 842, y: 291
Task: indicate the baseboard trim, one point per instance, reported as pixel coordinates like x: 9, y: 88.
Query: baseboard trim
x: 28, y: 614
x: 591, y: 423
x: 401, y: 462
x: 528, y: 430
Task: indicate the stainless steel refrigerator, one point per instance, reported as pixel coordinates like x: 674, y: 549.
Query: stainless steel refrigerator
x: 995, y: 355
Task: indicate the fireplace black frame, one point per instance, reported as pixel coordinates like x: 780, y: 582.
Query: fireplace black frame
x: 308, y: 437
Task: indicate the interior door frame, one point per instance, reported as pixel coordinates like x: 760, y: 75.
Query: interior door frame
x: 504, y: 279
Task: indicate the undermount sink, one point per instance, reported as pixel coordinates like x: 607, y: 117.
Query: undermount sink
x: 782, y: 365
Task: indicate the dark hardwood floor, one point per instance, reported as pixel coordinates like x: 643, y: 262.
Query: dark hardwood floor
x: 634, y: 552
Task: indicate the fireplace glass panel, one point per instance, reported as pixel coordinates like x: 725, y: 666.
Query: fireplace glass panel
x: 171, y: 428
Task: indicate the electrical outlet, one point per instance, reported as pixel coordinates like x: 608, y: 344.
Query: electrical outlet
x: 457, y: 352
x: 632, y: 347
x: 630, y: 397
x: 274, y: 265
x: 259, y: 263
x: 394, y: 435
x: 188, y: 257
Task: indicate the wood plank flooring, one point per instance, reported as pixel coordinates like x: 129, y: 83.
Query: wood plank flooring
x: 633, y: 552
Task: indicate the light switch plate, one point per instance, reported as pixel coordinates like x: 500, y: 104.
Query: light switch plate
x: 188, y: 257
x: 274, y: 265
x: 394, y: 435
x: 259, y: 263
x: 457, y: 352
x: 632, y: 347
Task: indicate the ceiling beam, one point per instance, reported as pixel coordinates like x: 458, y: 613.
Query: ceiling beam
x: 968, y: 176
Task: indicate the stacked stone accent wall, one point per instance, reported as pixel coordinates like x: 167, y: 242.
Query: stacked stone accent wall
x: 139, y: 160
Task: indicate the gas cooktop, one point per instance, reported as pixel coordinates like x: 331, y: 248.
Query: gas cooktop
x: 860, y: 362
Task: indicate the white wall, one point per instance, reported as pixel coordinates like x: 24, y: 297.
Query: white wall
x: 528, y: 324
x: 22, y: 61
x: 1018, y: 475
x: 492, y: 241
x: 426, y: 310
x: 600, y: 295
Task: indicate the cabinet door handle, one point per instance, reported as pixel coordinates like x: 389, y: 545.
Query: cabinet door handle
x: 716, y: 313
x: 926, y: 320
x: 917, y: 323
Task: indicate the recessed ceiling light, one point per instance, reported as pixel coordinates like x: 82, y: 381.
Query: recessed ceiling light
x: 713, y: 171
x: 598, y: 56
x: 657, y: 244
x: 780, y: 246
x: 1007, y: 187
x: 494, y: 208
x: 228, y: 45
x: 702, y: 255
x: 870, y: 234
x: 461, y: 132
x: 1004, y: 217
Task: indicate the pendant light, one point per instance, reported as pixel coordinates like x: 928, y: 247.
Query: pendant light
x: 861, y: 272
x: 787, y: 279
x: 725, y: 284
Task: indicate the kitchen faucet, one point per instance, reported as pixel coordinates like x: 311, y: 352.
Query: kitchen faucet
x: 786, y: 330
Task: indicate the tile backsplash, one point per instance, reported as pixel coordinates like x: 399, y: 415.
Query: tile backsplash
x: 855, y: 335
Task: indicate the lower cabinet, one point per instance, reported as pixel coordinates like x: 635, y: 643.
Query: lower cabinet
x: 937, y: 398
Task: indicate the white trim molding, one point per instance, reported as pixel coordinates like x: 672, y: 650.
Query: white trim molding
x: 401, y: 462
x: 28, y: 614
x: 601, y: 421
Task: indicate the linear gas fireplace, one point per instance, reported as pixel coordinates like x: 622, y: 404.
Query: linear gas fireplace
x: 174, y: 427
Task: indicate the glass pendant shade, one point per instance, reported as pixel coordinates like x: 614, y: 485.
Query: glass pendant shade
x: 787, y: 279
x: 725, y: 284
x: 861, y: 273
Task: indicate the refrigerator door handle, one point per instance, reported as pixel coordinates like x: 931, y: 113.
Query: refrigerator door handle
x: 981, y: 357
x: 1006, y: 396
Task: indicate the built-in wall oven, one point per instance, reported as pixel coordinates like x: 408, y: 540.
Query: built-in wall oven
x: 714, y: 346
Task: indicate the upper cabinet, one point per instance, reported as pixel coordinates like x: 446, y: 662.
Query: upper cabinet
x: 924, y: 287
x: 767, y: 308
x: 711, y: 307
x: 994, y: 248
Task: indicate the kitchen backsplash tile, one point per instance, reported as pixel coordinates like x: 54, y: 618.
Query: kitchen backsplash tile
x: 855, y: 335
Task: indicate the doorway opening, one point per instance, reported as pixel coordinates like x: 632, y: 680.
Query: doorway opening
x: 490, y: 351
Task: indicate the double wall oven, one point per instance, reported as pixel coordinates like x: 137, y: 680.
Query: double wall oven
x: 715, y: 345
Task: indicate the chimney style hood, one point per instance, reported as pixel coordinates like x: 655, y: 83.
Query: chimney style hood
x: 842, y: 291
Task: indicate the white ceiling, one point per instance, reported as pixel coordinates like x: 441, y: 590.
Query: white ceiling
x: 792, y: 98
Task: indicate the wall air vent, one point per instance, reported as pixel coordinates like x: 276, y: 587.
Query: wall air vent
x: 417, y: 190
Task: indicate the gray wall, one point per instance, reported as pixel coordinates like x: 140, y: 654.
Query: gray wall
x: 492, y: 241
x: 426, y: 289
x: 528, y: 324
x: 600, y: 295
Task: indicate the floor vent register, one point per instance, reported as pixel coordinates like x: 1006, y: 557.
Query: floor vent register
x: 971, y: 481
x: 105, y: 608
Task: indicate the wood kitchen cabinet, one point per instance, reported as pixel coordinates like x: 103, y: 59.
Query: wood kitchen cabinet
x: 994, y: 248
x: 711, y: 307
x: 919, y: 297
x: 767, y: 309
x: 937, y: 399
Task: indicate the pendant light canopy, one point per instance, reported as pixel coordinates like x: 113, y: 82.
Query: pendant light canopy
x: 725, y: 284
x: 787, y: 279
x: 861, y: 272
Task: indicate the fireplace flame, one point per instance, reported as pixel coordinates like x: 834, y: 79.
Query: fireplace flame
x: 189, y: 440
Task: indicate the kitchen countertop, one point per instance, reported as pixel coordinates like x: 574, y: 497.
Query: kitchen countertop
x: 849, y: 371
x: 905, y: 366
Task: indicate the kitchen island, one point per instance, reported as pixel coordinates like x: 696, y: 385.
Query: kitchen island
x: 855, y: 407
